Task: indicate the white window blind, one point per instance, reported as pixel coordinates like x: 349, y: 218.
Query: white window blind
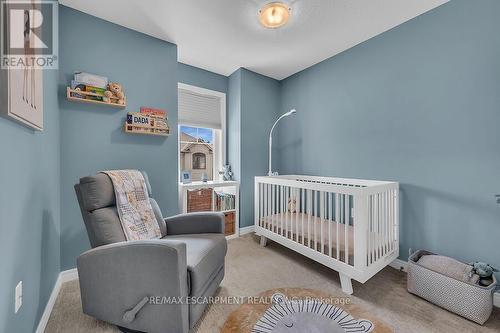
x: 199, y: 110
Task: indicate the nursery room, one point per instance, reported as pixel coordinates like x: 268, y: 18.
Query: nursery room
x: 250, y: 166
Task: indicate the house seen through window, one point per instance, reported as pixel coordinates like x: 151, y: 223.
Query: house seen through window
x: 196, y: 149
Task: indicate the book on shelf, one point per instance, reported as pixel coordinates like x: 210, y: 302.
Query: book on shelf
x: 80, y: 86
x: 224, y: 201
x: 138, y: 122
x: 154, y: 112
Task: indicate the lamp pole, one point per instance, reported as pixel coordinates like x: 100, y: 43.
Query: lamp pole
x: 289, y: 113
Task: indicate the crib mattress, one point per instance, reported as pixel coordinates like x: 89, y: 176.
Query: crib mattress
x: 315, y: 230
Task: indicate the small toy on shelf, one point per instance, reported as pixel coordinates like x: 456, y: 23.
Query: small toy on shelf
x: 114, y: 93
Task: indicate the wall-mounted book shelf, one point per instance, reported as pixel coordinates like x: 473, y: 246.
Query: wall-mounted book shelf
x: 145, y: 130
x: 70, y: 95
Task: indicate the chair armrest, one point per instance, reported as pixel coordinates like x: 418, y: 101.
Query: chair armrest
x: 114, y: 278
x: 195, y: 223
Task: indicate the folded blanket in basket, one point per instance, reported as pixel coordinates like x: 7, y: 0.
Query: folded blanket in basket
x: 132, y: 202
x: 449, y: 267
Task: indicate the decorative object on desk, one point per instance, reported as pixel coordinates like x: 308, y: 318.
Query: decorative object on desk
x: 485, y: 272
x: 114, y: 93
x: 186, y: 177
x: 139, y: 123
x: 289, y: 113
x: 227, y: 174
x: 204, y: 177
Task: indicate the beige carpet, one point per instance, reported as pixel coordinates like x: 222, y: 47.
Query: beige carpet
x: 252, y: 270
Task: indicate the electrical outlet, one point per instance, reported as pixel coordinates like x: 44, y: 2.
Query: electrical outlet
x: 18, y: 296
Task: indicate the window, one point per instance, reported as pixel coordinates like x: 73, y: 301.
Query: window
x: 199, y: 161
x: 201, y: 131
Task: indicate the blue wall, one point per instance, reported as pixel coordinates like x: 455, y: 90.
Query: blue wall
x: 201, y: 78
x: 149, y: 71
x: 29, y: 213
x: 419, y: 104
x: 92, y: 137
x: 234, y: 124
x: 254, y: 100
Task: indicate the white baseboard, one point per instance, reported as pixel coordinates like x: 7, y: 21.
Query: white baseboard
x: 399, y: 264
x: 247, y: 230
x: 64, y: 276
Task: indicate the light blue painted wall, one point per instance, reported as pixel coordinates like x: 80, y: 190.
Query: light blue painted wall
x: 234, y: 124
x: 202, y: 78
x: 419, y: 104
x: 260, y: 102
x: 92, y: 137
x: 29, y: 213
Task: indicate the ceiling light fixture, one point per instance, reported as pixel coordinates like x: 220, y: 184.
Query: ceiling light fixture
x: 274, y: 15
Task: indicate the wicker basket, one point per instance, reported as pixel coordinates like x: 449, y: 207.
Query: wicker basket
x: 468, y: 300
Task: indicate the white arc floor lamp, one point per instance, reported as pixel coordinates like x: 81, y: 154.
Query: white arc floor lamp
x: 289, y: 113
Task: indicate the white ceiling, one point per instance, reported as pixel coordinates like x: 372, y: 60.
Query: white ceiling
x: 223, y: 35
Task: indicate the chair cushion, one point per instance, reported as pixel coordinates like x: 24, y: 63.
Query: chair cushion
x: 106, y: 226
x: 98, y: 191
x: 205, y: 256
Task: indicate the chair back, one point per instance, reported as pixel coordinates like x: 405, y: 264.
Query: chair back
x: 96, y: 197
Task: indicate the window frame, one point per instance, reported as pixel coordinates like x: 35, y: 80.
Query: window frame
x: 219, y: 136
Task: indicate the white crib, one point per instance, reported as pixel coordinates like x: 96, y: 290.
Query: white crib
x: 349, y: 225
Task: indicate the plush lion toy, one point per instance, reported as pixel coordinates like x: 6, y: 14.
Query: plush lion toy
x: 114, y: 92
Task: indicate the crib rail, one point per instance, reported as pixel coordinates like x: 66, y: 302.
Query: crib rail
x: 350, y: 222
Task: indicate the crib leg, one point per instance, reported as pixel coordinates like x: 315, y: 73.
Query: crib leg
x: 263, y: 241
x: 346, y: 284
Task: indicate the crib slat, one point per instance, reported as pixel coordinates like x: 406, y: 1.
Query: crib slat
x: 309, y: 207
x: 384, y: 221
x: 330, y: 224
x: 346, y: 227
x: 296, y: 191
x: 289, y: 208
x: 390, y: 221
x: 322, y: 220
x: 379, y: 225
x: 387, y: 222
x: 337, y: 220
x: 303, y: 212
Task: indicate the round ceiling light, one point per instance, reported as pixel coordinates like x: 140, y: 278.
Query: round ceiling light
x: 274, y: 15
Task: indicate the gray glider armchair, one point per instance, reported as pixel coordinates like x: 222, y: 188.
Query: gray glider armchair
x: 135, y: 284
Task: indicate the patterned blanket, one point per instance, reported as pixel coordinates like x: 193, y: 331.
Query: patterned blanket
x: 132, y: 202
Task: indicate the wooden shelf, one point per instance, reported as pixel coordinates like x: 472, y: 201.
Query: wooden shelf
x: 70, y: 91
x: 143, y: 132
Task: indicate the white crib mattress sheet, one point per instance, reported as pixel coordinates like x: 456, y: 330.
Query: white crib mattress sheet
x: 312, y: 227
